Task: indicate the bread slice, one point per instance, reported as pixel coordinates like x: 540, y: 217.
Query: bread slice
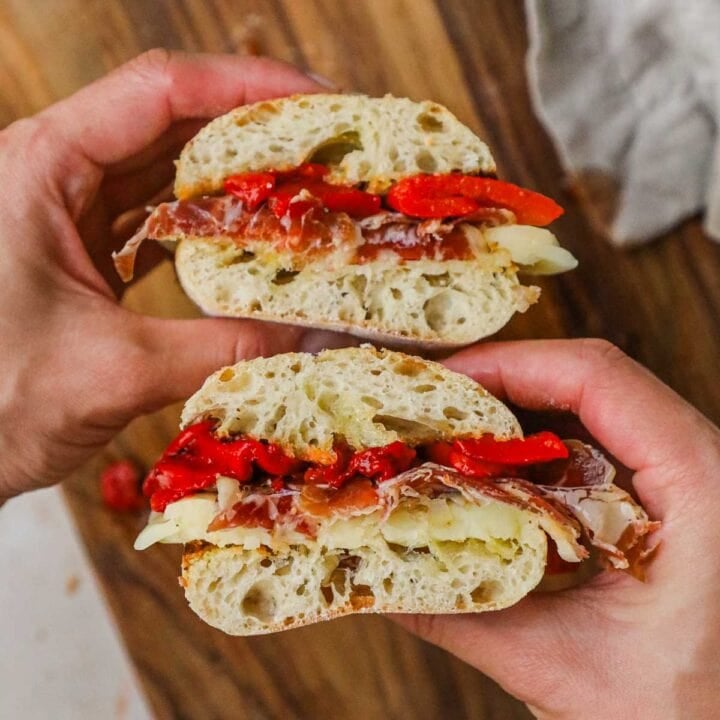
x: 255, y: 591
x: 367, y: 397
x: 364, y: 140
x: 429, y: 303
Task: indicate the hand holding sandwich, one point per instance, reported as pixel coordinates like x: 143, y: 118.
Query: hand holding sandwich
x: 613, y: 647
x: 74, y: 366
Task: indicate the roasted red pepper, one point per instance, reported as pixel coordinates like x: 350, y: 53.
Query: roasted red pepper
x: 186, y: 438
x: 382, y: 463
x: 120, y: 487
x: 379, y: 463
x: 422, y: 196
x: 270, y: 458
x: 332, y: 475
x: 439, y: 452
x: 488, y: 457
x: 539, y: 448
x: 280, y: 187
x: 197, y: 456
x: 174, y: 478
x: 436, y: 196
x: 252, y: 188
x: 472, y: 467
x: 277, y: 484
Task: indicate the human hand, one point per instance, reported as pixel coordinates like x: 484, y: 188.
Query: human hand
x: 613, y: 647
x: 75, y: 367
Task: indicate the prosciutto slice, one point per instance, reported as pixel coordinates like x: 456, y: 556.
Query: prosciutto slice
x: 594, y: 512
x: 315, y: 232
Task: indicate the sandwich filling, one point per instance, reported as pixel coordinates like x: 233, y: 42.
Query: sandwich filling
x: 239, y: 490
x: 298, y: 215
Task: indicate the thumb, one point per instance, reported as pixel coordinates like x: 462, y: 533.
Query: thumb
x: 177, y: 355
x: 533, y: 649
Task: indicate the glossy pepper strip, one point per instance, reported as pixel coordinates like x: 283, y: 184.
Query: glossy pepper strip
x: 488, y: 457
x: 173, y: 478
x: 437, y: 196
x: 335, y: 198
x: 252, y: 188
x: 539, y: 448
x: 279, y: 188
x: 449, y: 455
x: 193, y: 461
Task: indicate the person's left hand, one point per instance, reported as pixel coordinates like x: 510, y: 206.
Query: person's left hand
x: 75, y: 366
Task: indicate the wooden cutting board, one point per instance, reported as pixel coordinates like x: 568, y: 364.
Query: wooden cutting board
x: 661, y: 304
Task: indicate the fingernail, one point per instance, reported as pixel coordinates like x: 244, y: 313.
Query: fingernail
x: 322, y: 80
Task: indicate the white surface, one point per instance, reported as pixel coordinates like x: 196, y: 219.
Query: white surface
x: 60, y: 656
x: 633, y: 89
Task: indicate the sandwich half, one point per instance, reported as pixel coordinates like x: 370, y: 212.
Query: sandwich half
x: 377, y: 216
x: 305, y: 487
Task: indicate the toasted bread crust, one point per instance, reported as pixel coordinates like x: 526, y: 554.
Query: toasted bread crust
x: 367, y: 140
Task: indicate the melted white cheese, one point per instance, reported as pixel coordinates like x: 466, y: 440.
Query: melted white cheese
x: 535, y: 250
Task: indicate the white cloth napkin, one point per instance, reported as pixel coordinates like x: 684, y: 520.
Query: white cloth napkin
x: 633, y: 89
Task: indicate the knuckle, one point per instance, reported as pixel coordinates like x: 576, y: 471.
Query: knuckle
x: 427, y: 626
x: 29, y: 132
x: 602, y: 352
x: 152, y: 63
x: 25, y: 147
x: 251, y: 345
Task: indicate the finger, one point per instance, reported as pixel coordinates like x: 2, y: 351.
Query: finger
x: 177, y: 355
x: 313, y: 341
x: 124, y: 112
x: 175, y: 136
x: 144, y: 175
x: 523, y: 648
x: 636, y: 417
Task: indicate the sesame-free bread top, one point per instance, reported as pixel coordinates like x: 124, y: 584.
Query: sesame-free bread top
x: 374, y: 141
x: 366, y: 397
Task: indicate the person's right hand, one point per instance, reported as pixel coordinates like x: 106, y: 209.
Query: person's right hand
x: 614, y: 647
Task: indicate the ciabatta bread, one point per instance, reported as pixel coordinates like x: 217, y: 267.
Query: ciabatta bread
x: 369, y: 397
x: 428, y: 303
x: 364, y: 140
x: 248, y: 592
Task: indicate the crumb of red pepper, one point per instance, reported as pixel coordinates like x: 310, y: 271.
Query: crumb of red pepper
x: 120, y: 487
x: 72, y: 584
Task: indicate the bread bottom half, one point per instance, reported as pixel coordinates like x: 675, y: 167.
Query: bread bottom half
x: 365, y: 566
x: 442, y: 303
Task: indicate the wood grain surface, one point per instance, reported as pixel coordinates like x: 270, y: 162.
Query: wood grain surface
x: 661, y: 304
